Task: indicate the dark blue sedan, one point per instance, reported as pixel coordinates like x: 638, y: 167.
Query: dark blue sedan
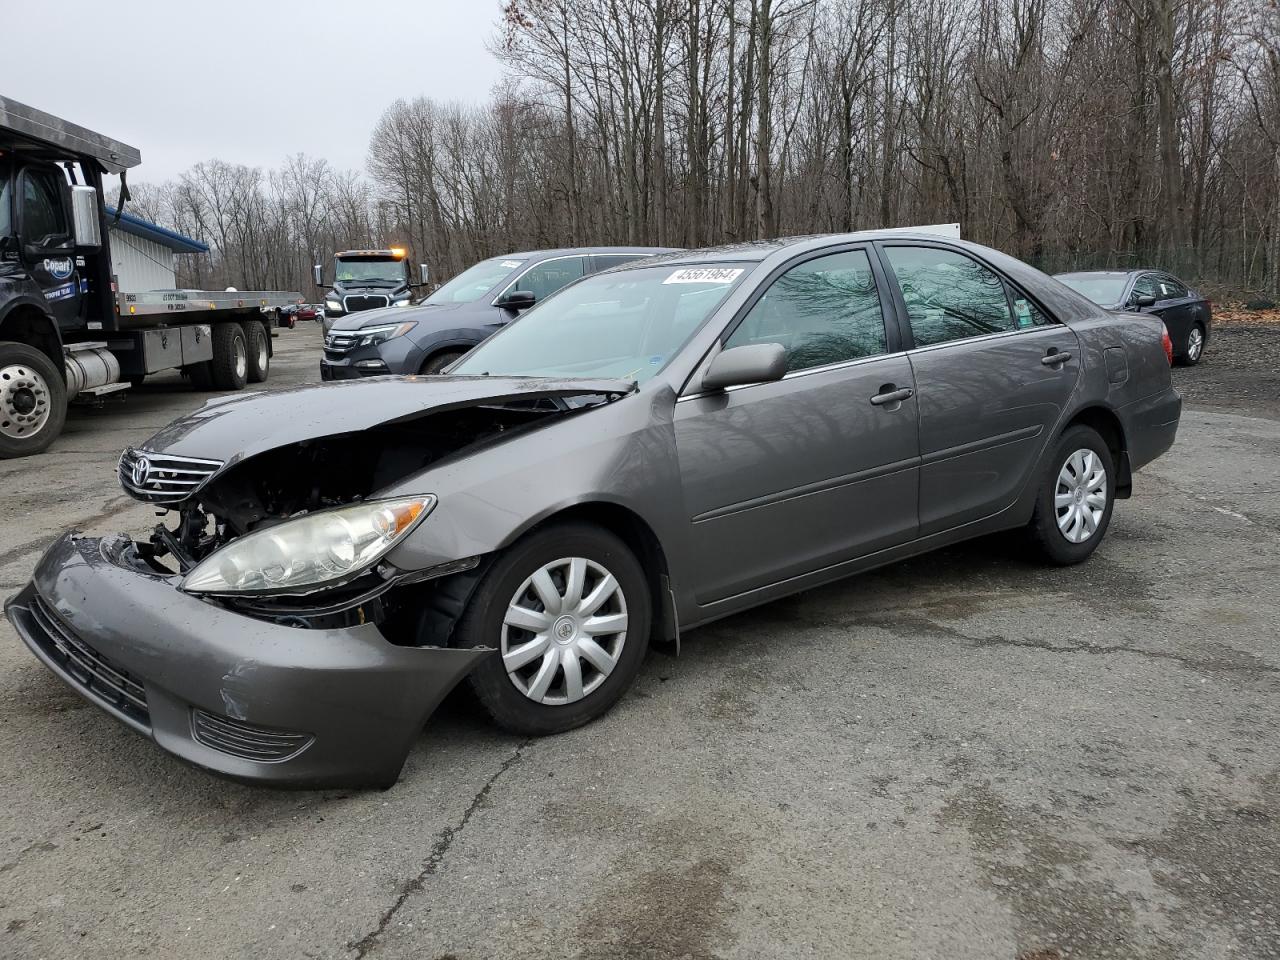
x: 1187, y: 315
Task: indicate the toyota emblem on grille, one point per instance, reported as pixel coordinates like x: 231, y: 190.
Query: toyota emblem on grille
x: 141, y: 472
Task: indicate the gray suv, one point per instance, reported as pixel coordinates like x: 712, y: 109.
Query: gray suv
x: 428, y: 336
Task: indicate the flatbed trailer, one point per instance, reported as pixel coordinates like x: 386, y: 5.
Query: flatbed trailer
x: 65, y: 329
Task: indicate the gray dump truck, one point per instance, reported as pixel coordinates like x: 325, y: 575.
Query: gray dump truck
x: 66, y: 331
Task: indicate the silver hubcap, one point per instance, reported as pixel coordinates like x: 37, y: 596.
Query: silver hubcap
x: 1081, y: 495
x: 263, y: 357
x: 563, y: 631
x: 242, y: 359
x: 24, y: 402
x: 1195, y: 343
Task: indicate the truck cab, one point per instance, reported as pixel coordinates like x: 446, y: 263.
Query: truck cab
x: 367, y: 280
x: 65, y: 330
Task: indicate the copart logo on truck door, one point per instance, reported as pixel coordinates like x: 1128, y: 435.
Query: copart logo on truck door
x: 59, y: 268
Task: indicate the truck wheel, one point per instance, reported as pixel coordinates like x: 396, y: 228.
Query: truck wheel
x: 230, y: 357
x: 259, y: 351
x: 33, y: 401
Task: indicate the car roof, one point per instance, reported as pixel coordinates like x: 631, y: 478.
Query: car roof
x: 758, y: 250
x: 581, y: 251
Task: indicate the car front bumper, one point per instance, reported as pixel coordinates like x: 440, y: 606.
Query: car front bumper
x: 250, y: 699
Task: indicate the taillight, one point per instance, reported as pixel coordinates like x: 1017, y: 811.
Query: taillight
x: 1167, y: 342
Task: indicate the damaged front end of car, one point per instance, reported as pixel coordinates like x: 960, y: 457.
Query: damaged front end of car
x: 262, y: 630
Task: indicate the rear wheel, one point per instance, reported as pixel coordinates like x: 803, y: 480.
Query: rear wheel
x: 437, y: 363
x: 1073, y: 508
x: 259, y: 351
x: 568, y: 609
x: 1193, y: 346
x: 33, y: 400
x: 230, y: 364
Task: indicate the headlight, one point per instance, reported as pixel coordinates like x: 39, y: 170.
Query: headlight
x: 406, y: 302
x: 299, y: 556
x: 371, y: 335
x: 333, y: 305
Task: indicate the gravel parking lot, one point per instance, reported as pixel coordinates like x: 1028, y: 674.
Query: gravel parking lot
x: 964, y: 756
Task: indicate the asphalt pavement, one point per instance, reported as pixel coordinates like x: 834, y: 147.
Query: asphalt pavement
x: 968, y: 755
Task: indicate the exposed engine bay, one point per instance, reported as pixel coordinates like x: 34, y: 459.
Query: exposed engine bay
x: 287, y: 482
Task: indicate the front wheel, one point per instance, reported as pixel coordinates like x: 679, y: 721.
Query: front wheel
x: 568, y: 609
x: 33, y: 401
x: 1073, y: 508
x: 436, y: 364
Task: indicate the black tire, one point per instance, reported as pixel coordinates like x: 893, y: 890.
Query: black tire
x: 230, y: 364
x: 481, y: 624
x: 434, y: 364
x: 259, y: 345
x: 1051, y: 541
x: 1184, y: 357
x: 33, y: 401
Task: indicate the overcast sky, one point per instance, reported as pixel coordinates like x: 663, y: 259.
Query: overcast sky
x: 248, y: 82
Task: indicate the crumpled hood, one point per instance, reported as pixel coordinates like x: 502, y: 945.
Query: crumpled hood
x: 240, y: 427
x: 425, y: 312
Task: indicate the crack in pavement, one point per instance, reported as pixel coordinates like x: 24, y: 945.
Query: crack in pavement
x: 1094, y: 649
x: 444, y: 840
x: 109, y: 509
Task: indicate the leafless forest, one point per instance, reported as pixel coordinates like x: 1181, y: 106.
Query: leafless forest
x: 1072, y: 133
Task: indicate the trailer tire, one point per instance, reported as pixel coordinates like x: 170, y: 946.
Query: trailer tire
x: 230, y: 364
x: 259, y: 351
x: 33, y: 400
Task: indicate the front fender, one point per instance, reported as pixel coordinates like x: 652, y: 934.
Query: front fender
x: 620, y: 453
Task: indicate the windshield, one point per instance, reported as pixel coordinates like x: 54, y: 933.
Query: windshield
x: 625, y: 325
x: 1102, y: 288
x: 474, y: 282
x: 366, y: 269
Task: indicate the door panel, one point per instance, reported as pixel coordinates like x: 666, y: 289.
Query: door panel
x: 783, y: 478
x: 987, y: 391
x: 987, y: 408
x: 44, y: 217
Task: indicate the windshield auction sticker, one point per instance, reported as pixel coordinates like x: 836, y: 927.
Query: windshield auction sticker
x: 705, y: 275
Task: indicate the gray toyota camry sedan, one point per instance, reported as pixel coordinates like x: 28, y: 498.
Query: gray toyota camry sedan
x: 649, y: 449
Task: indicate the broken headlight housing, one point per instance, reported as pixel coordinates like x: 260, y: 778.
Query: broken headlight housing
x: 387, y: 331
x: 311, y: 552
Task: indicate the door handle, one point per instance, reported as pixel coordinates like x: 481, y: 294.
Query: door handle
x: 892, y: 396
x: 1055, y: 358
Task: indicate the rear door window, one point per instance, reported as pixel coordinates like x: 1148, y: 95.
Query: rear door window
x: 950, y: 296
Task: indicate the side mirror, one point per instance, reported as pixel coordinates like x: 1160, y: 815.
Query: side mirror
x: 517, y: 300
x: 1144, y: 301
x: 86, y: 221
x: 424, y: 275
x: 754, y: 363
x: 317, y: 275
